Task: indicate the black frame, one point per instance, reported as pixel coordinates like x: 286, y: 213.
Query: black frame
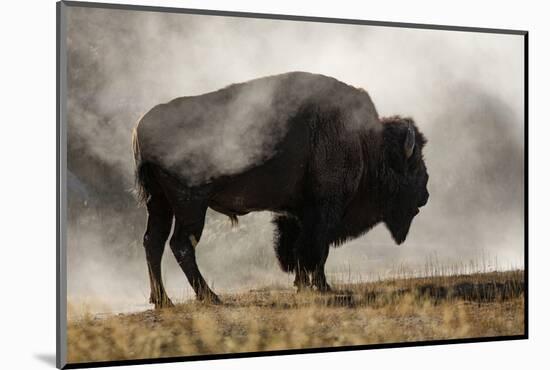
x: 61, y: 283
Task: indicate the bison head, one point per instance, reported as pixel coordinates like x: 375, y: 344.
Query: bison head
x: 405, y: 175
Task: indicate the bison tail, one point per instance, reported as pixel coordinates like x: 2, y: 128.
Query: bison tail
x: 234, y: 220
x: 287, y: 230
x: 142, y: 172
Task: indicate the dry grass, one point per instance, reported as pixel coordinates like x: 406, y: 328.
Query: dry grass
x: 411, y: 309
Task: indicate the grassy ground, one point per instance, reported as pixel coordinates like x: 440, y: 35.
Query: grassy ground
x: 414, y: 309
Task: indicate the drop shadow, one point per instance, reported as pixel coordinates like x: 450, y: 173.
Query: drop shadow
x: 47, y: 358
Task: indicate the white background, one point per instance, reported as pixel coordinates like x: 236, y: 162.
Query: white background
x: 27, y: 203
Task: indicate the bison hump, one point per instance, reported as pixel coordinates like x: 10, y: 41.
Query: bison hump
x: 233, y: 129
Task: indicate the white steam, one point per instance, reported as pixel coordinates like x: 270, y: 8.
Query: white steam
x: 464, y: 91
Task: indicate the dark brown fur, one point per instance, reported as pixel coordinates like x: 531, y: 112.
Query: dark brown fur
x: 337, y: 171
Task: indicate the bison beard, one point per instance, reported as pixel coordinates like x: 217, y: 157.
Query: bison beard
x: 313, y: 151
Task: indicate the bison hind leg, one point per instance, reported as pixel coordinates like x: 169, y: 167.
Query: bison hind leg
x: 159, y: 224
x: 287, y: 230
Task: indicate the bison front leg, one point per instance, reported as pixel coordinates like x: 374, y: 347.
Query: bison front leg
x: 301, y: 281
x: 287, y: 234
x: 318, y: 276
x: 312, y: 247
x: 311, y: 257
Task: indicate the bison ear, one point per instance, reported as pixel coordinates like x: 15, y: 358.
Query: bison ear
x: 409, y: 141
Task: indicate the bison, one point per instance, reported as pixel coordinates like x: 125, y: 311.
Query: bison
x: 307, y: 147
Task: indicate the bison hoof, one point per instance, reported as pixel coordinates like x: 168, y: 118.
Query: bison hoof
x: 163, y: 303
x: 303, y: 288
x: 302, y: 284
x: 324, y: 288
x: 209, y: 298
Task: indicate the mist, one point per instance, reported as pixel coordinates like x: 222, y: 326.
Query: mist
x: 464, y: 91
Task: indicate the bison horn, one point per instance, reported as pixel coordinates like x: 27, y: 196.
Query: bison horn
x: 409, y: 142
